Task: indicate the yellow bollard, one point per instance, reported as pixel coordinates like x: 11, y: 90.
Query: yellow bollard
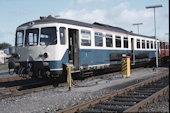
x: 126, y: 66
x: 69, y: 68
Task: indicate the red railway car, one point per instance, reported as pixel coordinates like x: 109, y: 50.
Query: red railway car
x: 164, y: 51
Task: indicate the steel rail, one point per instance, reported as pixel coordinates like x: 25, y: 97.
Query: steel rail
x: 9, y: 79
x: 148, y: 100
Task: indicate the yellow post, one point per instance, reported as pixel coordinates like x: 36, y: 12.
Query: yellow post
x: 69, y: 68
x: 126, y: 66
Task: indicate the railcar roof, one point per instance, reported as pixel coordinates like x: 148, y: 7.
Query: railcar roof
x: 50, y: 19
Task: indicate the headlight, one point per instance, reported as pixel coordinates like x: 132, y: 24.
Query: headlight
x: 45, y: 55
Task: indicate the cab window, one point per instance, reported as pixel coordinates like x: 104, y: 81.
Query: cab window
x: 31, y: 38
x: 19, y: 38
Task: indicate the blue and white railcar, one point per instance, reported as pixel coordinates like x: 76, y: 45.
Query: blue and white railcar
x: 44, y: 45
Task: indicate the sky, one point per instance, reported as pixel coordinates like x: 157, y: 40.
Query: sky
x: 119, y: 13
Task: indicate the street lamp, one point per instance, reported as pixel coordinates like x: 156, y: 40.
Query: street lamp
x: 155, y: 6
x: 138, y: 25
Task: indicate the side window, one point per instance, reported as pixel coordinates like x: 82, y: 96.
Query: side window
x: 48, y: 36
x: 143, y: 44
x: 154, y: 44
x: 118, y: 41
x: 85, y: 38
x: 138, y: 43
x: 147, y: 44
x: 62, y: 35
x: 98, y: 39
x: 19, y: 38
x: 167, y: 47
x: 125, y: 42
x: 109, y: 40
x: 151, y: 44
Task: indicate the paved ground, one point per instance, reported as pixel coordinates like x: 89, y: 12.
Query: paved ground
x: 60, y: 98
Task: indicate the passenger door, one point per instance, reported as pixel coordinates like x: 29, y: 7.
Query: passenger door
x: 74, y: 52
x: 132, y: 51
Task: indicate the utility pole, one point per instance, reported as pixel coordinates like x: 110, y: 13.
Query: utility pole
x: 153, y: 7
x: 137, y: 24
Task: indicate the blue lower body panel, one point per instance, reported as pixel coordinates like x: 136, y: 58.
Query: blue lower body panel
x: 97, y: 57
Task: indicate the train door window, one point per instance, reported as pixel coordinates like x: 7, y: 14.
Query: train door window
x: 151, y: 44
x: 143, y: 44
x: 138, y: 43
x: 109, y: 40
x: 125, y: 42
x: 98, y: 39
x: 31, y: 38
x: 48, y: 36
x: 62, y: 35
x: 147, y: 44
x: 118, y: 41
x: 85, y: 38
x: 154, y: 44
x: 19, y: 38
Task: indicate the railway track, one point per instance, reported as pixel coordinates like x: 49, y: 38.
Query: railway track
x: 25, y: 89
x: 30, y: 86
x: 130, y: 99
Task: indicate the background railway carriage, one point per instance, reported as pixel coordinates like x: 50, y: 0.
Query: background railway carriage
x: 164, y: 52
x: 44, y: 45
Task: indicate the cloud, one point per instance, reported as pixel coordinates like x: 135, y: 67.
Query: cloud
x: 89, y: 1
x: 84, y: 15
x: 120, y: 16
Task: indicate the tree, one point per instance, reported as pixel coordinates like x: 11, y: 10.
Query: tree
x: 4, y: 45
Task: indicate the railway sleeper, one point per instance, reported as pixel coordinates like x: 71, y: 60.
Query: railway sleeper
x: 152, y: 87
x: 159, y: 84
x: 95, y: 111
x: 147, y: 90
x: 141, y: 93
x: 128, y: 99
x: 118, y: 103
x: 110, y: 108
x: 133, y: 96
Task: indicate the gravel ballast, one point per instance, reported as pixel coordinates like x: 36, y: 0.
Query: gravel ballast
x: 60, y: 98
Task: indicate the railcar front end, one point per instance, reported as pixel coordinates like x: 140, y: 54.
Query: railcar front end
x: 36, y: 51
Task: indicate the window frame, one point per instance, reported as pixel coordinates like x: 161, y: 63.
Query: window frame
x: 125, y: 39
x: 143, y: 44
x: 16, y: 39
x: 151, y: 43
x: 138, y: 44
x: 109, y: 36
x: 98, y: 35
x: 50, y: 42
x: 33, y: 39
x: 83, y: 33
x: 147, y: 44
x: 64, y: 35
x: 117, y: 38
